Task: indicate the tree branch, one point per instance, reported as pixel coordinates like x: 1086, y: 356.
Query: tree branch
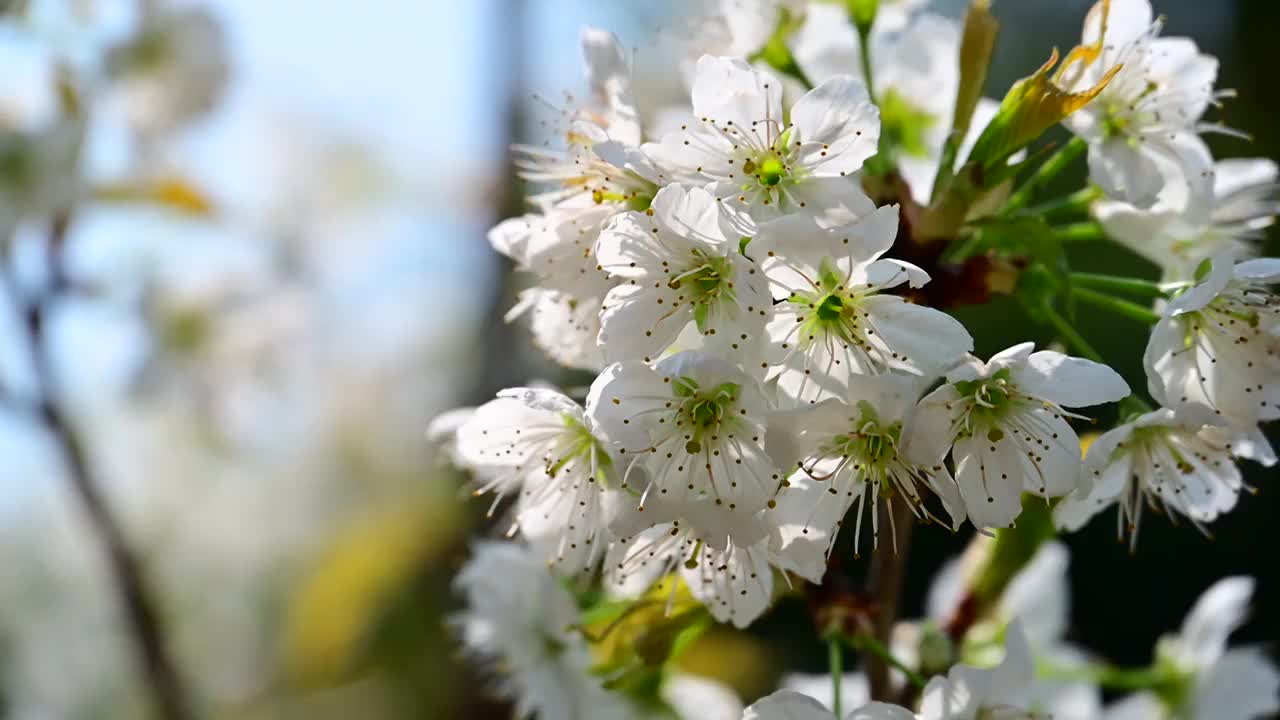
x: 140, y: 613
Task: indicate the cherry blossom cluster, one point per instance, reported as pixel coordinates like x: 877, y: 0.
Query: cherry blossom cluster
x: 748, y: 277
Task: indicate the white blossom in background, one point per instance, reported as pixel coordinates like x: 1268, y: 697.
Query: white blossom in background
x: 848, y: 455
x: 1159, y: 461
x: 540, y: 443
x: 695, y: 424
x: 916, y: 76
x: 742, y: 148
x: 1246, y: 199
x: 738, y: 28
x: 1214, y: 357
x: 855, y: 689
x: 517, y: 617
x: 834, y: 321
x: 39, y: 150
x: 966, y: 693
x: 1039, y: 598
x: 679, y: 263
x: 173, y: 70
x: 1211, y: 681
x: 697, y: 698
x: 1143, y: 128
x: 1007, y: 423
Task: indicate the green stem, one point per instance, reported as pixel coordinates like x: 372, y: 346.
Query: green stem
x: 835, y: 655
x: 1077, y: 203
x: 864, y: 52
x: 1080, y: 232
x: 1128, y: 309
x: 1107, y: 676
x: 1113, y: 283
x: 1043, y: 176
x: 1068, y: 333
x: 870, y: 644
x: 947, y: 166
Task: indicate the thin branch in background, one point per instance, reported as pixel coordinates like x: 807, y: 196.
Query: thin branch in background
x: 884, y: 584
x: 140, y: 611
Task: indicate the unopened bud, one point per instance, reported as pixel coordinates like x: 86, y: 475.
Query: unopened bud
x: 937, y: 652
x: 863, y: 14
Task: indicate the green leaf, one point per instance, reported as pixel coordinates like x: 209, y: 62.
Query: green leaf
x: 1032, y: 106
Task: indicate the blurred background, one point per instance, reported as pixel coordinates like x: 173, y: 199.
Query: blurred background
x: 276, y: 274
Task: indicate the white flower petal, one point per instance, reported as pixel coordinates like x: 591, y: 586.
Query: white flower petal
x: 837, y: 125
x: 787, y: 705
x: 1218, y: 613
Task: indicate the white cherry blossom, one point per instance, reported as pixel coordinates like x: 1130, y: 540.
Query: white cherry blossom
x: 601, y: 164
x: 836, y: 322
x: 1214, y: 357
x: 966, y: 693
x: 969, y: 693
x: 173, y: 70
x: 1143, y: 127
x: 741, y: 147
x: 698, y: 698
x: 600, y: 172
x: 558, y: 248
x: 563, y: 326
x: 848, y: 455
x: 540, y: 443
x: 1009, y: 429
x: 793, y: 705
x: 916, y: 79
x: 694, y: 423
x: 517, y: 616
x: 1039, y: 597
x: 1244, y: 204
x: 728, y: 572
x: 855, y: 689
x: 1157, y: 460
x: 679, y: 263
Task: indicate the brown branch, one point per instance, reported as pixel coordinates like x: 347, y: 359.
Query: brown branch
x: 884, y: 583
x: 141, y: 615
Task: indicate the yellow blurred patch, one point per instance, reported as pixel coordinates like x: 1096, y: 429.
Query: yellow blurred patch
x: 1086, y: 440
x: 172, y: 193
x: 644, y: 632
x: 340, y: 601
x: 734, y: 658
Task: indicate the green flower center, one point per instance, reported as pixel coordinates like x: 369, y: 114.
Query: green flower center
x: 769, y: 170
x: 578, y: 445
x: 707, y: 282
x: 830, y: 308
x: 186, y: 331
x: 834, y: 309
x: 872, y: 441
x: 703, y: 411
x: 989, y: 400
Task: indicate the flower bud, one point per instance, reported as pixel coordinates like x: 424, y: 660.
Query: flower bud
x: 863, y: 14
